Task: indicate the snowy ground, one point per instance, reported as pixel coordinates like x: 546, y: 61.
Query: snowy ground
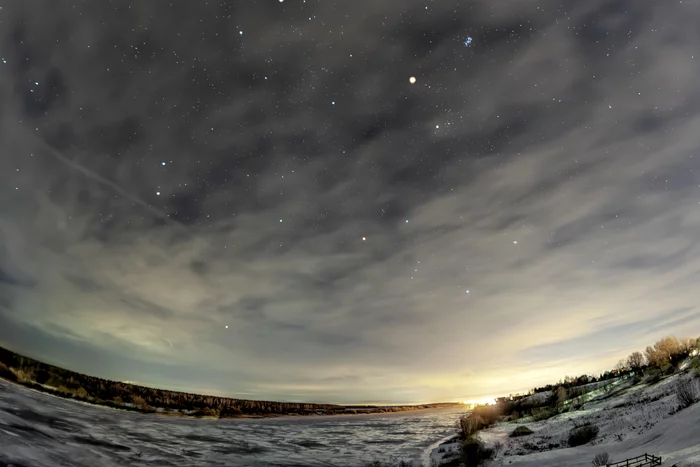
x: 40, y: 430
x: 633, y: 419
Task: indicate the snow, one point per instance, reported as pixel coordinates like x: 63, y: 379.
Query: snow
x: 41, y: 430
x: 633, y: 419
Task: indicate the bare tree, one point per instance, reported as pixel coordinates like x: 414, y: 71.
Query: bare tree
x: 635, y: 361
x: 621, y: 366
x: 601, y: 459
x: 562, y: 394
x: 686, y: 345
x: 662, y: 351
x: 685, y: 392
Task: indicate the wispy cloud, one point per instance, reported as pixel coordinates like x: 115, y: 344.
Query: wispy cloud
x: 548, y: 169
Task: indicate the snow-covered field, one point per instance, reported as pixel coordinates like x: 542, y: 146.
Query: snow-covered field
x: 39, y: 430
x: 633, y: 419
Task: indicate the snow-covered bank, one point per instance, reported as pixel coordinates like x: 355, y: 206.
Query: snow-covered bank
x: 441, y: 452
x: 632, y: 419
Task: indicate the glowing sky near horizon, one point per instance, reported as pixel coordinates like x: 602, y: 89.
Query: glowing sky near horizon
x: 287, y: 214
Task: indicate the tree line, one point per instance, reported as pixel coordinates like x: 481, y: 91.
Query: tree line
x: 660, y: 359
x: 66, y: 383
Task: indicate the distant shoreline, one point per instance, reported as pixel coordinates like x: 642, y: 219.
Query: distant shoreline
x: 67, y: 384
x: 39, y: 389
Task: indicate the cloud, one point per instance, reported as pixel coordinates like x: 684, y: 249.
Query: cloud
x: 569, y: 131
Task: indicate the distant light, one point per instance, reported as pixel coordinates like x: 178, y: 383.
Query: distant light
x: 162, y: 163
x: 280, y: 220
x: 240, y: 33
x: 157, y: 193
x: 407, y: 221
x: 364, y: 239
x: 333, y: 103
x: 515, y: 242
x: 467, y: 291
x: 226, y: 326
x: 412, y: 80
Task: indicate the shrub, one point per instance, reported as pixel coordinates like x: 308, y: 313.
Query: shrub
x: 6, y: 373
x: 601, y: 459
x: 521, y: 431
x: 583, y: 434
x: 562, y: 395
x: 474, y: 453
x: 544, y: 414
x: 497, y: 447
x: 685, y: 392
x: 654, y: 376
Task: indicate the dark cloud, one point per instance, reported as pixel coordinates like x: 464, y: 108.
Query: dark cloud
x: 166, y: 176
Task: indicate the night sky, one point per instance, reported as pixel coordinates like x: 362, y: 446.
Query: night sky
x: 254, y: 198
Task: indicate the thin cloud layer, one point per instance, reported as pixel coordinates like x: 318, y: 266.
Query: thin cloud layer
x: 185, y: 193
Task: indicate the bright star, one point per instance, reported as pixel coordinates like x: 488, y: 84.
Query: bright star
x: 412, y: 80
x: 515, y: 242
x: 364, y: 239
x: 162, y: 163
x: 157, y: 193
x: 467, y: 291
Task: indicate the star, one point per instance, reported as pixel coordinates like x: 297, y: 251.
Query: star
x: 515, y: 242
x: 157, y: 193
x: 467, y: 291
x: 412, y: 80
x: 226, y: 326
x: 162, y: 163
x: 364, y: 239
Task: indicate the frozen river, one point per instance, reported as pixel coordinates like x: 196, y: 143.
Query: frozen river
x: 39, y: 430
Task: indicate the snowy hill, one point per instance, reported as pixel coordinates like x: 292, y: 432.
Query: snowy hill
x: 633, y: 417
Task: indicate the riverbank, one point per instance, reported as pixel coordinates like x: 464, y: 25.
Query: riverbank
x: 183, y: 413
x: 40, y: 430
x: 631, y: 416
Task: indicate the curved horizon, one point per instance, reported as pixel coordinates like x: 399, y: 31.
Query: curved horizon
x: 348, y: 201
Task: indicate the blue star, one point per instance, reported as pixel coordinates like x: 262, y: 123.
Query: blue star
x: 468, y: 42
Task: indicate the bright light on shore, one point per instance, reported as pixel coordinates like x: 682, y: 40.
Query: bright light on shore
x: 485, y: 401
